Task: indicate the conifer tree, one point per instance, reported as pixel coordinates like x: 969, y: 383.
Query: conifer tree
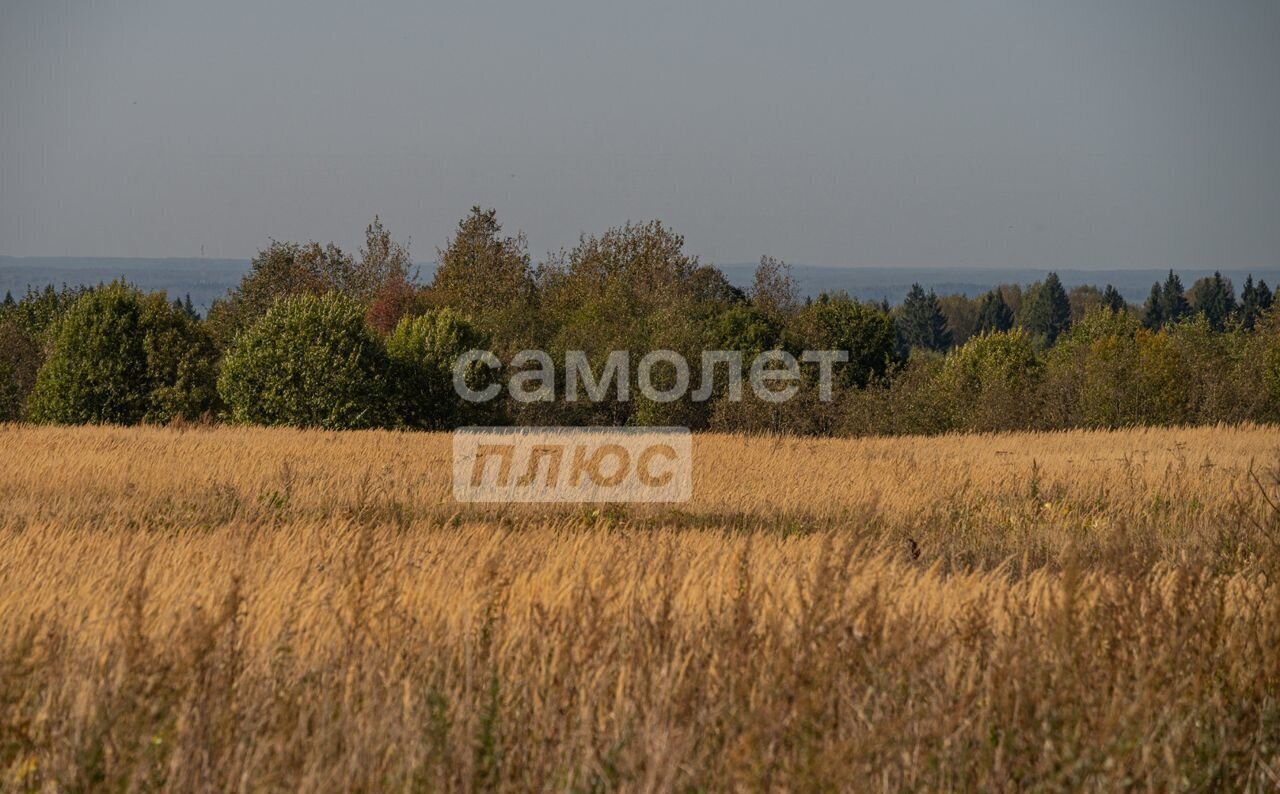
x: 921, y: 322
x: 1173, y: 302
x: 1050, y: 315
x: 1153, y: 309
x: 1254, y: 300
x: 994, y: 315
x: 1215, y: 298
x: 1113, y: 300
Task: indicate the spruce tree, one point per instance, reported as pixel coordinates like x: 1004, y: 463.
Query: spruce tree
x: 994, y: 315
x: 1254, y: 300
x: 1173, y: 302
x: 9, y: 302
x: 921, y: 322
x: 1153, y: 309
x: 1215, y: 298
x: 1113, y: 300
x: 1265, y: 296
x: 1050, y: 315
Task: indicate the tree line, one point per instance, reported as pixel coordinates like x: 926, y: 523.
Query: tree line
x: 314, y: 336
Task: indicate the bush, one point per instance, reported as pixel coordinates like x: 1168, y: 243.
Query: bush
x: 992, y: 382
x: 120, y: 358
x: 309, y: 362
x: 1089, y: 374
x: 1267, y: 345
x: 422, y: 351
x: 906, y: 402
x: 1210, y: 357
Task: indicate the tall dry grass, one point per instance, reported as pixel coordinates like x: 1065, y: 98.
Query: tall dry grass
x: 248, y: 609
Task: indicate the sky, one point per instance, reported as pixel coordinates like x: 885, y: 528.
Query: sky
x: 984, y: 133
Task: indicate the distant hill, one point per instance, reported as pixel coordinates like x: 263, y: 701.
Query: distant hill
x: 207, y: 279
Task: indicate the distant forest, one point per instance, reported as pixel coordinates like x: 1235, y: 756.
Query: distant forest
x: 311, y: 335
x: 206, y: 280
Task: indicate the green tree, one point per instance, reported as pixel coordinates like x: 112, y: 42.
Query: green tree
x: 1173, y: 300
x: 487, y: 277
x: 285, y: 270
x: 774, y: 290
x: 308, y: 362
x: 1153, y: 310
x: 991, y: 381
x: 865, y: 332
x: 1083, y: 299
x: 40, y: 310
x: 632, y: 289
x: 1209, y: 356
x: 921, y: 323
x: 1159, y: 378
x: 1215, y: 298
x: 1089, y: 373
x: 1050, y: 313
x: 1254, y: 300
x: 181, y: 362
x: 746, y: 329
x: 422, y: 352
x: 994, y: 315
x: 282, y: 270
x: 961, y: 312
x: 1268, y: 342
x: 186, y: 307
x: 382, y: 261
x: 120, y: 357
x: 1113, y: 300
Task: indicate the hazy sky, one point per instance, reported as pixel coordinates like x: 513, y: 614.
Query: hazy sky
x: 1078, y: 133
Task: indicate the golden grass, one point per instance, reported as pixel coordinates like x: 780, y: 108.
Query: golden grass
x: 249, y: 609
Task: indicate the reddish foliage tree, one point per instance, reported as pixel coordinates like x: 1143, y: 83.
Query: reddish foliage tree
x: 395, y: 299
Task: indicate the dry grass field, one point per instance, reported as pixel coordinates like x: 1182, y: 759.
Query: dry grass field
x: 221, y: 609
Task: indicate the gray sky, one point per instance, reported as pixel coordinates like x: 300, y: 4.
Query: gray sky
x: 1081, y: 133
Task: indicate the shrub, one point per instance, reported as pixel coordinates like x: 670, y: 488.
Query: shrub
x: 906, y: 402
x: 1210, y: 358
x: 1089, y: 374
x: 309, y: 362
x: 422, y: 351
x: 1267, y: 343
x: 119, y: 357
x: 1159, y: 381
x: 991, y: 382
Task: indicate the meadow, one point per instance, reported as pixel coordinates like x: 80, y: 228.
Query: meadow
x: 195, y: 608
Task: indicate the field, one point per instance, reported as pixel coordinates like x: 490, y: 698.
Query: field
x: 221, y: 609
